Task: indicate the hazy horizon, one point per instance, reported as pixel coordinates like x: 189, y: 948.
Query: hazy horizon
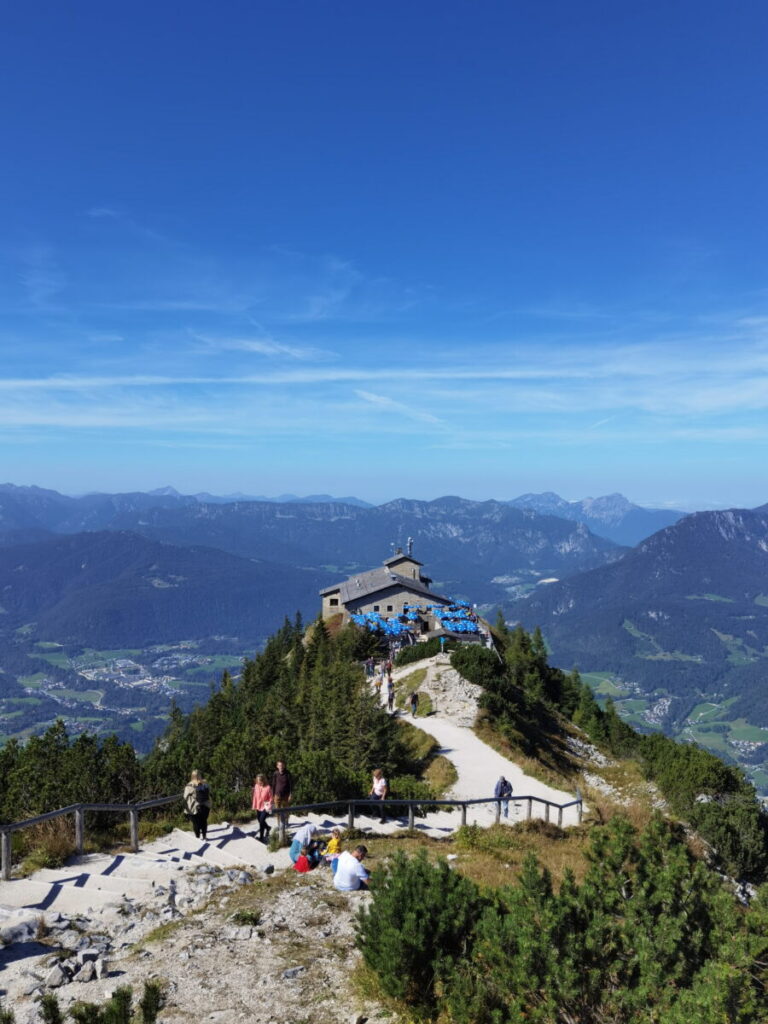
x: 303, y: 493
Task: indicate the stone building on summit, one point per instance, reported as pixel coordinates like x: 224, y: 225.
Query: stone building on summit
x: 393, y: 591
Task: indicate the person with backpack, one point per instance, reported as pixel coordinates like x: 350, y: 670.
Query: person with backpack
x: 197, y: 804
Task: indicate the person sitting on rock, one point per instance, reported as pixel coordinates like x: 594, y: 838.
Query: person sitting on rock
x: 333, y: 848
x: 303, y: 837
x: 302, y: 864
x: 350, y: 873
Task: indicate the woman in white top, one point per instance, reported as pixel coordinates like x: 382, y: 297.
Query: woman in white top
x: 379, y: 790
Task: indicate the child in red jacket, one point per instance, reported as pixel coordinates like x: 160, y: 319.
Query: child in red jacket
x: 302, y: 861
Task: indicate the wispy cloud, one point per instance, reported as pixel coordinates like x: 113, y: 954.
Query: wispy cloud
x: 264, y: 346
x: 390, y: 405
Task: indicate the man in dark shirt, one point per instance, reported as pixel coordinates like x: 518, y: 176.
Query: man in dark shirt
x: 282, y: 789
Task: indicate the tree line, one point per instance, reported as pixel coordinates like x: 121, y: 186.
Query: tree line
x: 304, y: 699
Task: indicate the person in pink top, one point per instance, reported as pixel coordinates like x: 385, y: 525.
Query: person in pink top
x: 262, y: 804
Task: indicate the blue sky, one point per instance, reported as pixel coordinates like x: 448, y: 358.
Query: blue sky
x: 403, y: 249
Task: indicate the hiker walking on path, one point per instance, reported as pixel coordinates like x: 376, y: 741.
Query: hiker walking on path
x: 197, y: 804
x: 390, y: 696
x: 282, y: 790
x: 379, y: 791
x: 414, y: 702
x: 262, y: 804
x: 503, y: 791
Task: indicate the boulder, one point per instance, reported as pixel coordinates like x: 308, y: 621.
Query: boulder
x: 56, y: 977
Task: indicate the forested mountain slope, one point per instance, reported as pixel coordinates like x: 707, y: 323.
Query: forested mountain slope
x: 683, y: 617
x: 118, y: 589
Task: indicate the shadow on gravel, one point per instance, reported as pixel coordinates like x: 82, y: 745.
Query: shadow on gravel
x: 20, y: 951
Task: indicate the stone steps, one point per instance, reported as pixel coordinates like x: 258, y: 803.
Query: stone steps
x: 47, y: 896
x: 78, y: 878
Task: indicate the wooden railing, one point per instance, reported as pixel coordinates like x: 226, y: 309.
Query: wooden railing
x: 132, y: 810
x: 385, y: 807
x: 380, y: 807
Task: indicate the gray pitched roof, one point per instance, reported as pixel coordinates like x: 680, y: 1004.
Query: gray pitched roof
x: 400, y: 557
x: 366, y: 583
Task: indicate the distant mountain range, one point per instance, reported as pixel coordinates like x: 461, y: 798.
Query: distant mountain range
x: 611, y: 516
x: 226, y: 499
x: 682, y: 616
x: 482, y: 550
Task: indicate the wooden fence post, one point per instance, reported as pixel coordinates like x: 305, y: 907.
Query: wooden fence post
x: 351, y: 816
x: 498, y: 811
x: 580, y: 809
x: 463, y: 815
x: 529, y: 812
x: 133, y: 817
x: 559, y: 817
x: 546, y: 811
x: 5, y: 843
x: 79, y: 829
x: 411, y: 817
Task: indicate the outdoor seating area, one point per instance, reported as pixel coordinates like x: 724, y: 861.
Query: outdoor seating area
x: 457, y: 617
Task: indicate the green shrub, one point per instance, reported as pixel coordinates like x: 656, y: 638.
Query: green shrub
x: 407, y: 655
x: 417, y: 926
x: 151, y: 1002
x: 117, y: 1010
x: 478, y: 665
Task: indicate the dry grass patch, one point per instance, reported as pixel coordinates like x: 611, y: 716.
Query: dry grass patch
x: 494, y: 856
x: 441, y: 775
x: 559, y: 770
x: 419, y: 744
x: 633, y: 796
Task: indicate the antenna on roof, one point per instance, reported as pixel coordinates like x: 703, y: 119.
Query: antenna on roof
x: 410, y: 546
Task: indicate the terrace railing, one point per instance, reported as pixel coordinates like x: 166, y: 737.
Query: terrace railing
x: 352, y: 808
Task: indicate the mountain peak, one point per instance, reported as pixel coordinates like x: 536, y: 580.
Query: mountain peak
x: 165, y: 492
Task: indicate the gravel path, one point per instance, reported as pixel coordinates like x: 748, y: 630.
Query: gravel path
x: 455, y: 703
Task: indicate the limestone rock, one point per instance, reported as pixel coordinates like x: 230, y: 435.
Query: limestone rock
x: 56, y: 977
x: 87, y: 972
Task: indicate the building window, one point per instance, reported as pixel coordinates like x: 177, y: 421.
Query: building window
x: 375, y: 607
x: 390, y: 608
x: 334, y: 601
